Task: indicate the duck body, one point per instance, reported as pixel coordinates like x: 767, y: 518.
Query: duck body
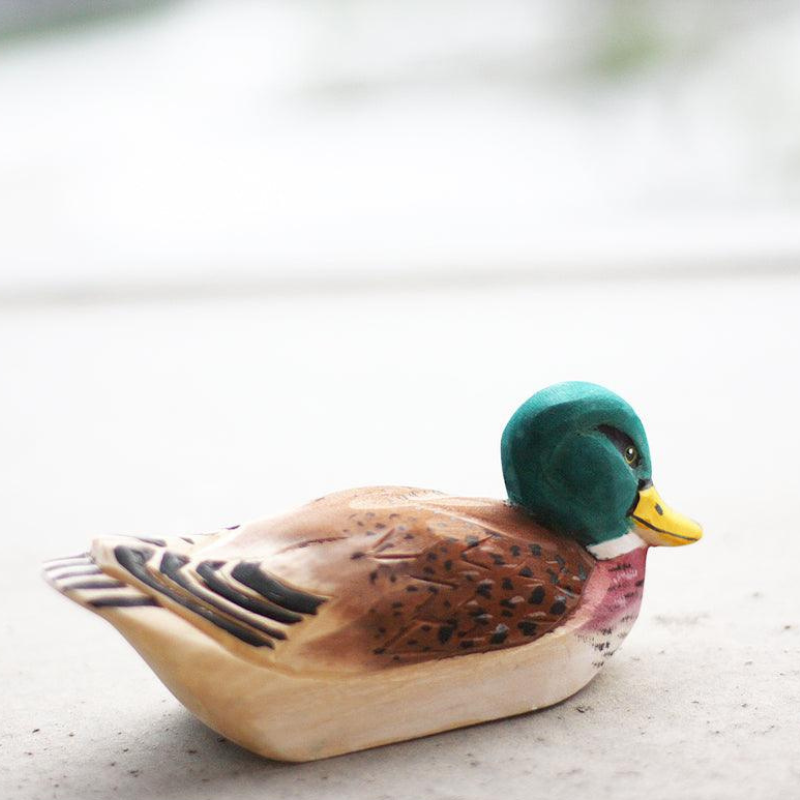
x: 382, y: 614
x: 377, y: 604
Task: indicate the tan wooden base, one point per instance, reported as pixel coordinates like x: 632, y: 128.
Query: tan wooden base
x: 291, y: 718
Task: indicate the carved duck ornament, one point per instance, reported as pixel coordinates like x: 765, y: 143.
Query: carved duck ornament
x: 381, y: 614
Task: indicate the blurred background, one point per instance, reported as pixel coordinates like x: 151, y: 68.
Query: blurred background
x: 254, y: 252
x: 247, y: 144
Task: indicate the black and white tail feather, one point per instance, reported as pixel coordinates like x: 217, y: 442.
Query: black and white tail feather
x: 82, y: 580
x: 236, y: 598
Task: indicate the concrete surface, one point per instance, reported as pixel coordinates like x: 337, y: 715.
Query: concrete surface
x: 171, y: 417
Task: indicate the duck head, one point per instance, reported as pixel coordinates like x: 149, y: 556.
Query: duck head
x: 575, y: 457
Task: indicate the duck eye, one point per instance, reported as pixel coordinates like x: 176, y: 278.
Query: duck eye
x: 623, y: 443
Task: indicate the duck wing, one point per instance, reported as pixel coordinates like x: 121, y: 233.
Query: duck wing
x: 360, y: 580
x: 435, y: 576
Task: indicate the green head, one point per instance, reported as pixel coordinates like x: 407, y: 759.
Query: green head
x: 575, y: 457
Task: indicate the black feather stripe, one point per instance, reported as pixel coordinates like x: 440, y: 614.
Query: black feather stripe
x: 156, y: 542
x: 103, y: 583
x: 135, y: 560
x: 57, y: 563
x: 171, y: 565
x: 207, y: 571
x: 73, y: 573
x: 122, y: 602
x: 249, y: 574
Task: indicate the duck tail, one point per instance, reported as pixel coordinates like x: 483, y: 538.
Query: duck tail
x: 83, y: 580
x: 236, y: 602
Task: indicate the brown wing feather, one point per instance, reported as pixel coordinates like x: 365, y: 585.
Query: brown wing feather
x: 480, y: 592
x: 437, y: 576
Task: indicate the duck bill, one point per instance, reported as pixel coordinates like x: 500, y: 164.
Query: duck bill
x: 658, y: 524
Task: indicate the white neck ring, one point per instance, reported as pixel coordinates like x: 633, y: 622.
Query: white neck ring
x: 616, y: 547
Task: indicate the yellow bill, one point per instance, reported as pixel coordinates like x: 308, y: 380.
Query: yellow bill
x: 658, y: 524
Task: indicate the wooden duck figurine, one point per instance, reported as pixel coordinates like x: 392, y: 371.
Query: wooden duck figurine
x: 381, y: 614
